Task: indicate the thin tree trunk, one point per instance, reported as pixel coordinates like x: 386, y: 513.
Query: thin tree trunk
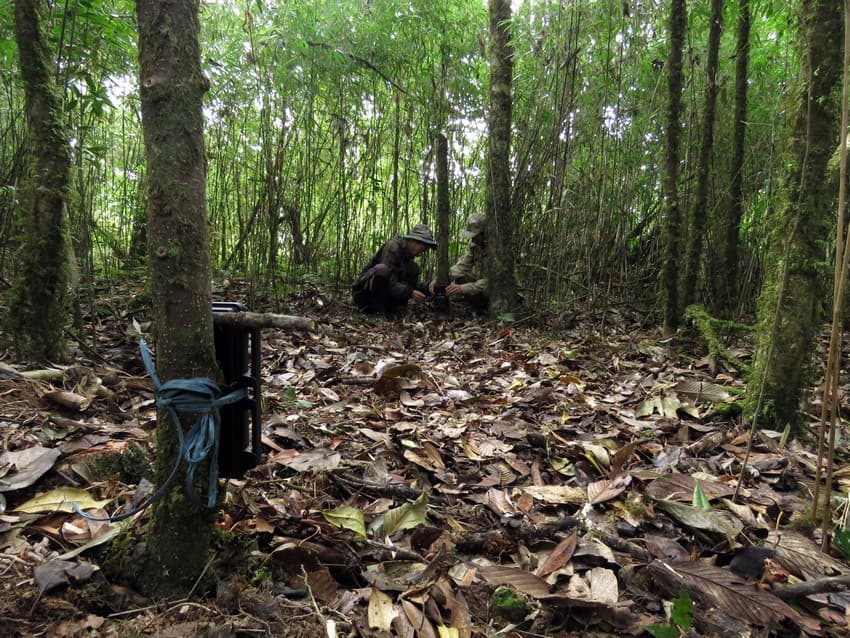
x: 40, y: 289
x: 442, y: 146
x: 793, y: 289
x: 172, y: 89
x: 672, y: 241
x: 500, y: 217
x: 696, y: 236
x: 729, y: 275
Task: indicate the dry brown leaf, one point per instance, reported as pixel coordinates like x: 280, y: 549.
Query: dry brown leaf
x: 680, y: 487
x: 606, y: 489
x: 519, y: 579
x: 799, y: 553
x: 559, y: 556
x: 717, y: 587
x: 422, y: 626
x: 322, y: 584
x: 665, y: 548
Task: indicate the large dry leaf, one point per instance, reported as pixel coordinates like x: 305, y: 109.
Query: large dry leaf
x: 423, y: 626
x: 607, y: 488
x: 559, y: 556
x: 25, y: 466
x: 519, y: 579
x: 703, y: 391
x: 603, y: 586
x: 556, y: 494
x: 381, y: 610
x: 313, y: 460
x: 56, y: 573
x: 717, y: 587
x: 61, y: 499
x: 322, y: 584
x: 680, y: 487
x: 719, y: 521
x: 799, y: 553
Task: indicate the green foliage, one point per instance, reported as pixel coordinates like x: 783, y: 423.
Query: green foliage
x: 506, y: 602
x: 681, y: 619
x: 321, y: 115
x: 130, y: 464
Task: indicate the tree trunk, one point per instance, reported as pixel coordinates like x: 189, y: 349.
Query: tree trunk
x: 791, y: 294
x: 696, y: 236
x: 40, y: 289
x: 729, y: 274
x: 672, y: 224
x: 172, y: 88
x: 501, y: 224
x: 443, y: 210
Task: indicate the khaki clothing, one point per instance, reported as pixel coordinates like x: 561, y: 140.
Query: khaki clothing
x: 387, y: 282
x: 470, y: 269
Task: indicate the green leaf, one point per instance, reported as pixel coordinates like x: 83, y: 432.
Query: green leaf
x: 663, y: 630
x: 61, y: 499
x: 699, y: 498
x: 683, y: 611
x: 346, y: 517
x: 841, y: 539
x: 303, y: 403
x: 407, y: 516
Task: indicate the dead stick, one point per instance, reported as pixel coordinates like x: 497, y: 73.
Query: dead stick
x: 818, y: 586
x: 263, y: 320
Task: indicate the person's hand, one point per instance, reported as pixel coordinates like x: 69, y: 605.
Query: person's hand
x: 432, y: 285
x: 418, y: 296
x: 453, y: 289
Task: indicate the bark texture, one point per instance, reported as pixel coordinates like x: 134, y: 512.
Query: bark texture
x: 672, y: 222
x: 729, y: 277
x: 794, y: 287
x: 172, y: 88
x: 699, y: 217
x: 501, y: 222
x: 40, y: 291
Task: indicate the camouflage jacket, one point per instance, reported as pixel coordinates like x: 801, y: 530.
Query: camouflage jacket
x: 470, y: 266
x: 404, y: 271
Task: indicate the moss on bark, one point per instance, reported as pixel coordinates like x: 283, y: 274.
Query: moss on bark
x: 40, y: 288
x: 790, y: 303
x: 172, y: 89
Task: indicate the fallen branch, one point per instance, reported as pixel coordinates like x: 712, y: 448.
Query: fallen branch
x: 817, y: 586
x: 263, y: 320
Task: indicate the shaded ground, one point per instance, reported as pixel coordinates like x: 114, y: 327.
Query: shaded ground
x: 427, y: 477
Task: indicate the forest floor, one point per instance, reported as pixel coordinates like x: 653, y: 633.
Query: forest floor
x: 429, y: 477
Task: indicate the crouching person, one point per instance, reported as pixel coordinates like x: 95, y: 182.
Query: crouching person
x: 468, y: 281
x: 391, y: 278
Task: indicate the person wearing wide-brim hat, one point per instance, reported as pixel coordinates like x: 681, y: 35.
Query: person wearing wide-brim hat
x: 468, y: 280
x: 391, y: 278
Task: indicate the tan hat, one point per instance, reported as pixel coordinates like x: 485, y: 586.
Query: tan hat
x: 475, y: 225
x: 422, y: 233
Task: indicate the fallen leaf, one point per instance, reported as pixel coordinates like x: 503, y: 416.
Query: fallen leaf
x: 26, y: 466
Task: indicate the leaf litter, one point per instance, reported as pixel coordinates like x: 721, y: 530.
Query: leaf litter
x: 427, y: 478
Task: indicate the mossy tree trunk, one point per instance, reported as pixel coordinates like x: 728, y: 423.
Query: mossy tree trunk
x: 40, y: 291
x: 172, y: 88
x: 699, y: 212
x: 501, y: 224
x: 728, y: 280
x: 793, y: 290
x: 672, y: 222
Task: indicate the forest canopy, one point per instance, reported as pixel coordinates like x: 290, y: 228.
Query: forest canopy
x: 321, y: 118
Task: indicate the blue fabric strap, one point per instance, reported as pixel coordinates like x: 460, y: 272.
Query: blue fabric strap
x: 199, y: 396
